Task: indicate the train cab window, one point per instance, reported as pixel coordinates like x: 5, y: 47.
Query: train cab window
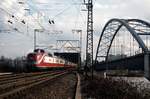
x: 57, y: 60
x: 49, y: 54
x: 31, y: 56
x: 42, y: 51
x: 39, y: 51
x: 36, y: 50
x: 61, y: 61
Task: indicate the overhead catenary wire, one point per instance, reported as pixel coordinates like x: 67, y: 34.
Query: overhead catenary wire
x: 54, y: 17
x: 10, y: 15
x: 79, y: 13
x: 42, y: 27
x: 15, y: 20
x: 62, y: 11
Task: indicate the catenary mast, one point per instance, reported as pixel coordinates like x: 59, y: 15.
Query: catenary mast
x: 89, y: 40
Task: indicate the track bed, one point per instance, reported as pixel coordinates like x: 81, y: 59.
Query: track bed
x: 60, y: 88
x: 40, y: 85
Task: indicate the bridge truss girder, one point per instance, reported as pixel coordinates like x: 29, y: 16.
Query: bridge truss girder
x: 135, y: 27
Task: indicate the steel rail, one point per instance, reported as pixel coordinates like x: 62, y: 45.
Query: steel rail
x: 16, y: 87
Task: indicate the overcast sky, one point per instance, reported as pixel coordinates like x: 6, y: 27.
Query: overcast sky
x: 67, y: 15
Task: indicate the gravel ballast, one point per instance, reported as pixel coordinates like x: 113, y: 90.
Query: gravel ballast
x: 59, y: 88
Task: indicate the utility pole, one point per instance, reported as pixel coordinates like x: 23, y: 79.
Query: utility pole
x: 35, y: 30
x: 35, y: 37
x: 78, y: 31
x: 28, y: 13
x: 89, y: 43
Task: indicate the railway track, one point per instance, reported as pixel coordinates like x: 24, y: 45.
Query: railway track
x: 12, y: 85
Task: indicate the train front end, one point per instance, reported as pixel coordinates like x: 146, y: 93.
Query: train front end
x: 32, y: 59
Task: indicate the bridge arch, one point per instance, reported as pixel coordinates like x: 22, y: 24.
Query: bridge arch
x: 136, y: 28
x: 111, y: 29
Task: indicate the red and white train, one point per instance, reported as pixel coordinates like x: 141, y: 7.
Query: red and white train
x: 39, y: 59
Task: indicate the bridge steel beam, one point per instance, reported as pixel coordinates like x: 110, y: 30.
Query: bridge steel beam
x: 107, y: 37
x: 147, y: 66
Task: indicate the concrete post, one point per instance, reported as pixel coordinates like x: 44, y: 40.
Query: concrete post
x: 146, y: 66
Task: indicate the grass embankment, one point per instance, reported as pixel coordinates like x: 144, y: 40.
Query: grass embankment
x: 107, y: 88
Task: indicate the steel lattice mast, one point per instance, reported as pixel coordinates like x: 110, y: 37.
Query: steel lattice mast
x: 89, y: 43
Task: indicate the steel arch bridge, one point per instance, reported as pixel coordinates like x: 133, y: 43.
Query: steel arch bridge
x: 136, y: 28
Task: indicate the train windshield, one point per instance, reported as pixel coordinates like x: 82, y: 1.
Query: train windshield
x: 31, y: 56
x: 39, y: 51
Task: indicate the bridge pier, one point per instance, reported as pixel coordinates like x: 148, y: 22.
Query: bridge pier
x: 147, y: 65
